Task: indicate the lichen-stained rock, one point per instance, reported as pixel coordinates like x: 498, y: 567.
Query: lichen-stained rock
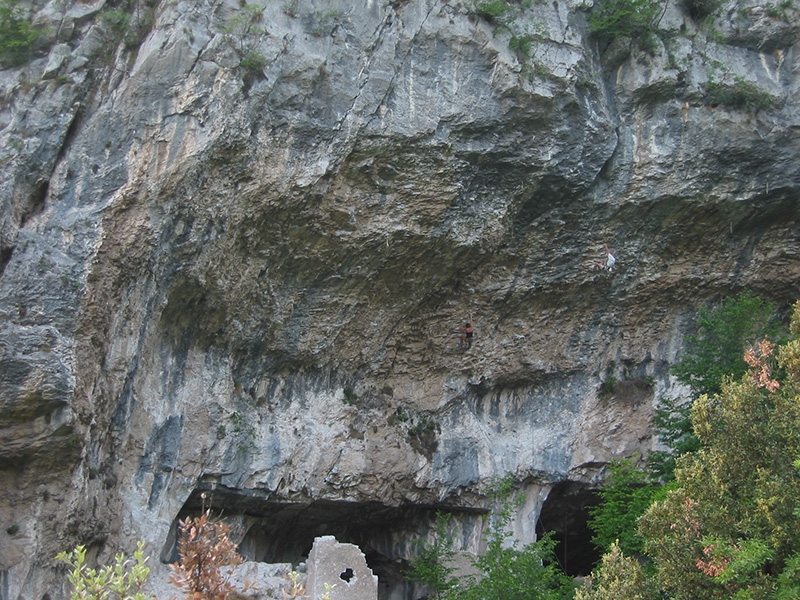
x: 237, y: 243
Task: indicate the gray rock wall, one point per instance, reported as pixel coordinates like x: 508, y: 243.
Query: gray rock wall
x: 251, y: 275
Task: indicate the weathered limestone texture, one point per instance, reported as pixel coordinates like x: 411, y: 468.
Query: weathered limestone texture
x: 237, y: 241
x: 341, y: 566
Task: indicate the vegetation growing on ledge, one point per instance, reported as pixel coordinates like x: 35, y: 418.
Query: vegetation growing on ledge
x: 17, y: 35
x: 740, y: 94
x: 700, y: 9
x: 634, y: 19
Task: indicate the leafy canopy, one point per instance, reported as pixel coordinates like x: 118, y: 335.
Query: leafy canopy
x: 731, y: 528
x: 121, y: 581
x: 724, y: 333
x: 628, y: 492
x: 503, y: 572
x: 506, y: 572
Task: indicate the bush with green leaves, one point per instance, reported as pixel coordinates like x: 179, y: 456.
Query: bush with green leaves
x: 121, y: 581
x: 433, y: 565
x: 507, y: 572
x: 724, y: 333
x: 716, y: 352
x: 491, y: 10
x: 618, y: 577
x: 740, y: 94
x: 503, y: 572
x: 627, y: 493
x: 129, y: 23
x: 17, y: 35
x: 730, y: 529
x: 673, y: 425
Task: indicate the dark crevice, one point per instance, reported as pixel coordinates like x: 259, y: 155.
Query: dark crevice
x: 69, y: 135
x: 5, y: 257
x: 37, y: 201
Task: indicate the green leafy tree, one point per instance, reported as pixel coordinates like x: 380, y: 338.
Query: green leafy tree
x: 121, y: 581
x: 730, y: 529
x: 673, y: 425
x: 619, y: 577
x: 724, y: 333
x: 506, y: 572
x: 433, y: 566
x: 627, y: 493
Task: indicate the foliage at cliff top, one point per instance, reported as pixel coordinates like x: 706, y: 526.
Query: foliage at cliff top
x: 633, y: 19
x: 17, y: 35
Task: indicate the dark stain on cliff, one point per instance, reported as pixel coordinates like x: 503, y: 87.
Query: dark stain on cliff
x: 160, y: 456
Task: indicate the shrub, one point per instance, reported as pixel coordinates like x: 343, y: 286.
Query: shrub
x: 121, y: 581
x: 204, y: 547
x: 350, y: 395
x: 700, y: 9
x: 607, y: 387
x: 253, y: 62
x: 296, y: 589
x: 423, y: 436
x: 627, y: 493
x: 432, y: 567
x: 129, y: 28
x: 625, y: 18
x: 521, y: 45
x: 17, y: 35
x: 506, y: 572
x: 491, y: 10
x: 323, y: 23
x: 618, y: 578
x: 741, y: 94
x: 673, y: 426
x: 724, y: 333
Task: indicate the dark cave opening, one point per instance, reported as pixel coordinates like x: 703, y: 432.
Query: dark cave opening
x: 280, y: 531
x: 566, y: 514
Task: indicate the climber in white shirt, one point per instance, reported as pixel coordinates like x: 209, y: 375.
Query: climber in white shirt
x: 608, y: 262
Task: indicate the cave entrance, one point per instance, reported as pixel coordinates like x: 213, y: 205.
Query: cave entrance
x: 278, y: 531
x: 566, y: 513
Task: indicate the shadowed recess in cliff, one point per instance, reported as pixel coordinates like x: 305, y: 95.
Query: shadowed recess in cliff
x: 565, y: 513
x: 278, y: 531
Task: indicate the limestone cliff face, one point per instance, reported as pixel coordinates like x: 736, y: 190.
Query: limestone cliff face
x: 236, y: 250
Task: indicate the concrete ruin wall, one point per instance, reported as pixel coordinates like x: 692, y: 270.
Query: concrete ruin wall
x: 342, y: 566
